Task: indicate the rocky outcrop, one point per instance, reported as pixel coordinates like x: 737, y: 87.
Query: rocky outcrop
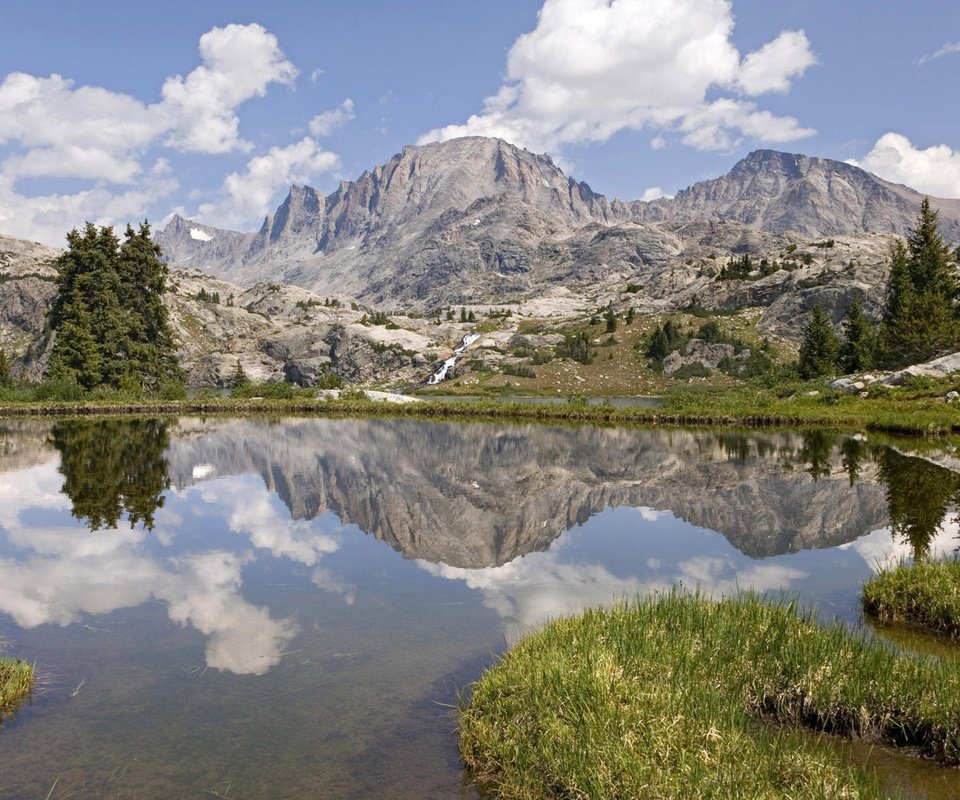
x: 708, y: 355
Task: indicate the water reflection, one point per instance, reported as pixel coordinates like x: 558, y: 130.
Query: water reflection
x: 919, y: 495
x: 112, y: 468
x: 247, y: 595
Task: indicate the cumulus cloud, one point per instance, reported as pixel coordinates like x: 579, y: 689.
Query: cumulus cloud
x: 240, y: 61
x: 328, y: 121
x: 246, y: 196
x: 592, y: 68
x: 52, y: 128
x: 934, y: 170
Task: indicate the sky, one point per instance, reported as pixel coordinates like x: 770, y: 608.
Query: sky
x: 115, y: 112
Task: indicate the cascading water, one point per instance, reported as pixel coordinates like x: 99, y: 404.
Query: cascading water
x: 447, y: 365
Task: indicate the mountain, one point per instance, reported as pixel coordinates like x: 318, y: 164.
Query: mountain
x: 782, y: 192
x: 476, y: 220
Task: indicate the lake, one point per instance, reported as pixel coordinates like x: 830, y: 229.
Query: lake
x: 289, y: 607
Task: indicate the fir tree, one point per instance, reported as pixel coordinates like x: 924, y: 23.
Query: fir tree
x: 820, y: 347
x: 856, y: 353
x: 920, y: 314
x: 240, y: 379
x: 4, y: 369
x: 110, y: 323
x: 611, y: 320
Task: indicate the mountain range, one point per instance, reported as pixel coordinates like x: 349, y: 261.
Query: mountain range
x: 478, y: 220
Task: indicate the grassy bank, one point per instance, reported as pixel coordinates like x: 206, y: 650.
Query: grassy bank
x: 16, y: 682
x: 923, y: 593
x: 736, y: 407
x: 665, y: 697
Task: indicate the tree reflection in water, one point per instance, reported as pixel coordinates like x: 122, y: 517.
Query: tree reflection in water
x: 112, y: 468
x: 919, y: 495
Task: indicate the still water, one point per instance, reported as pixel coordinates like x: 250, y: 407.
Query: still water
x: 288, y: 608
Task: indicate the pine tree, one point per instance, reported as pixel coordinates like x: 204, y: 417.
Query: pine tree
x: 856, y: 353
x: 240, y: 380
x: 611, y: 319
x: 920, y: 315
x: 110, y: 324
x: 820, y: 347
x: 4, y: 369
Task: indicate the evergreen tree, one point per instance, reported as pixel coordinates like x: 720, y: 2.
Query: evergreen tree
x: 920, y: 315
x: 109, y: 319
x: 611, y: 320
x: 856, y: 353
x: 4, y: 369
x: 820, y: 347
x: 240, y: 380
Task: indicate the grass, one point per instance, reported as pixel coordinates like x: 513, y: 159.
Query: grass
x: 682, y: 697
x: 925, y: 593
x: 16, y: 683
x: 915, y: 412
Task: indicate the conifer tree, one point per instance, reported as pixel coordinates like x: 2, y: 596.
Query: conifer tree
x: 920, y: 315
x: 856, y: 352
x: 820, y: 347
x: 4, y: 368
x: 110, y: 323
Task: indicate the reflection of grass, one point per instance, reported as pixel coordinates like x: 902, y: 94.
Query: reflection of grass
x: 924, y: 593
x: 16, y: 681
x: 664, y: 698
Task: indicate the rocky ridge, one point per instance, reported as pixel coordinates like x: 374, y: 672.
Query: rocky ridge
x: 477, y: 220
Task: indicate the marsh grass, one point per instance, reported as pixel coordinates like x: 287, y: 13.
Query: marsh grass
x: 924, y: 593
x: 673, y: 698
x: 16, y: 683
x: 706, y: 406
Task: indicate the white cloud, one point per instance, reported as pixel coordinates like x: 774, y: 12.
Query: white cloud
x: 328, y: 121
x: 653, y: 193
x: 46, y: 218
x: 592, y: 68
x: 773, y: 66
x: 948, y: 49
x: 247, y: 196
x: 658, y: 143
x: 934, y: 171
x: 240, y: 61
x: 316, y: 75
x: 51, y: 128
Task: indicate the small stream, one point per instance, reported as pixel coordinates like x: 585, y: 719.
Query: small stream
x: 441, y: 374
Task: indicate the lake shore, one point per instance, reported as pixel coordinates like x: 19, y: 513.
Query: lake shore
x: 16, y: 683
x: 683, y: 696
x: 737, y: 407
x: 924, y: 593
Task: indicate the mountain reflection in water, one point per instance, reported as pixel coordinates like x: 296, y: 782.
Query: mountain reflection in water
x: 242, y: 540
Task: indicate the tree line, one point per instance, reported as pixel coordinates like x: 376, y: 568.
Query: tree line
x: 920, y: 319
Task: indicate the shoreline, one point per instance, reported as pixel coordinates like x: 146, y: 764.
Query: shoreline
x: 911, y: 417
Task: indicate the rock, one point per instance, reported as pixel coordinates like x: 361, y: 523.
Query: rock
x: 952, y: 396
x: 697, y: 351
x: 938, y: 368
x: 840, y: 383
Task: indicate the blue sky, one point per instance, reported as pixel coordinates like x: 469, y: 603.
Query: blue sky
x: 113, y: 112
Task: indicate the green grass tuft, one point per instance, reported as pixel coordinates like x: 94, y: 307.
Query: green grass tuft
x: 16, y: 683
x: 925, y: 593
x: 668, y: 698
